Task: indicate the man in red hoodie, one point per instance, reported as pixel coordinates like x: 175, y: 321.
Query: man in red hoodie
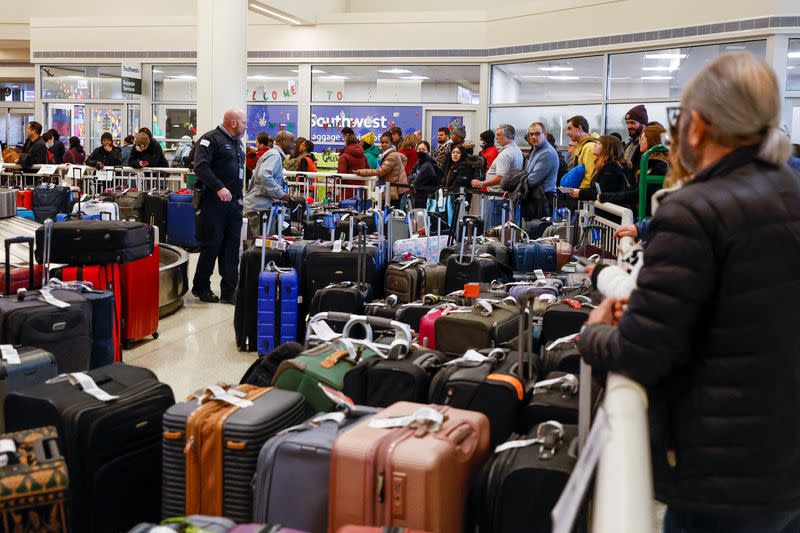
x: 262, y: 145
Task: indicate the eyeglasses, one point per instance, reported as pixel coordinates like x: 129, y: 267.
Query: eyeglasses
x: 533, y: 134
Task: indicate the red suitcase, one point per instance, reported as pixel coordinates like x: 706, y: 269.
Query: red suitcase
x: 427, y: 336
x: 21, y: 276
x: 25, y: 198
x: 102, y: 277
x: 139, y: 286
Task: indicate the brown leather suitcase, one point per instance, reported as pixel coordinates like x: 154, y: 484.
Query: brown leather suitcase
x: 405, y: 468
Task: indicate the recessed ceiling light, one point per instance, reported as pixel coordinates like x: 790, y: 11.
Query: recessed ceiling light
x: 665, y: 56
x: 656, y: 78
x: 556, y: 69
x: 334, y: 77
x: 660, y: 69
x: 791, y: 67
x: 563, y: 78
x: 394, y: 71
x: 414, y: 78
x: 15, y: 86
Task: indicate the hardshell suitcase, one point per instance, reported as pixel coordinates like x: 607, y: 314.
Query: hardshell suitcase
x: 25, y: 213
x: 97, y: 210
x: 8, y: 202
x: 21, y: 368
x: 210, y: 449
x: 48, y: 201
x: 181, y: 221
x: 290, y: 486
x: 35, y: 483
x: 25, y: 199
x: 139, y: 283
x: 96, y: 242
x: 109, y: 422
x: 277, y: 307
x: 408, y: 472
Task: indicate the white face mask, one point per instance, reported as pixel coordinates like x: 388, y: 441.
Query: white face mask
x: 482, y: 144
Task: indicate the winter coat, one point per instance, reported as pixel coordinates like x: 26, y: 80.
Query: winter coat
x: 489, y: 154
x: 109, y: 159
x: 33, y: 153
x: 424, y: 174
x: 463, y: 172
x: 711, y: 331
x: 584, y: 155
x: 352, y: 159
x: 630, y: 196
x: 253, y: 157
x: 611, y: 178
x: 373, y: 155
x: 392, y: 170
x: 411, y: 159
x: 126, y: 150
x: 58, y: 150
x: 153, y: 154
x: 75, y: 156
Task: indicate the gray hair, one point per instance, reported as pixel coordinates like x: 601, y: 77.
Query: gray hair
x: 738, y: 95
x: 508, y: 130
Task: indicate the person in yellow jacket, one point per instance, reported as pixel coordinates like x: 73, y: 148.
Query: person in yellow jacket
x: 578, y: 132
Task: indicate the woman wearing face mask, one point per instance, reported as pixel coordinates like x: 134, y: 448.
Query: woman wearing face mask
x: 488, y: 149
x: 425, y: 174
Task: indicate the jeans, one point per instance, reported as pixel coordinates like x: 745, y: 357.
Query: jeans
x: 219, y: 232
x: 493, y: 212
x: 682, y: 521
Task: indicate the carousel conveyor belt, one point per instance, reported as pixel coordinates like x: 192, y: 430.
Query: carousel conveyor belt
x: 173, y: 273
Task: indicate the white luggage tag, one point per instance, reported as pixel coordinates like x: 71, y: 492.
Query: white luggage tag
x: 323, y: 331
x: 424, y: 415
x: 6, y: 446
x: 539, y: 439
x: 9, y: 354
x: 539, y: 274
x: 562, y: 340
x: 48, y: 297
x: 86, y: 383
x: 231, y: 396
x: 339, y: 399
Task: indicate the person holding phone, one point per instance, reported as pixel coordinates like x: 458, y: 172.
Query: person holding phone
x: 610, y: 171
x: 145, y: 153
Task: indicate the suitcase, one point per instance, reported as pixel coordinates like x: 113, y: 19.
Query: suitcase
x: 210, y: 450
x: 22, y: 367
x: 546, y: 256
x: 154, y: 212
x: 25, y: 213
x: 139, y: 283
x: 411, y: 279
x: 552, y: 287
x: 80, y: 242
x: 106, y: 330
x: 8, y: 202
x: 130, y: 202
x: 196, y: 523
x: 487, y: 324
x: 119, y: 486
x: 555, y: 397
x: 48, y: 201
x: 96, y: 210
x: 35, y: 483
x: 427, y: 324
x: 290, y: 486
x: 561, y: 355
x: 20, y: 277
x: 386, y: 308
x: 181, y: 221
x: 25, y: 199
x: 262, y: 371
x: 407, y: 473
x: 264, y: 528
x: 562, y: 318
x: 380, y: 382
x: 325, y: 267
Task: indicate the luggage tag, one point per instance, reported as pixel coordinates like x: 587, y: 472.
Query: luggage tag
x: 86, y: 383
x: 9, y: 354
x: 568, y: 384
x: 48, y: 297
x: 562, y: 340
x: 339, y: 399
x: 550, y: 441
x: 231, y: 396
x: 420, y: 418
x: 7, y: 446
x: 540, y: 274
x: 323, y: 331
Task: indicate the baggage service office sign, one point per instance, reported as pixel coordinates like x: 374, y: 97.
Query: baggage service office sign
x: 131, y: 78
x: 327, y: 121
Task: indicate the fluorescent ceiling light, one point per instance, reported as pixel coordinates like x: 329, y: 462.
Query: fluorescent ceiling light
x: 259, y: 77
x: 791, y: 67
x: 414, y: 78
x: 183, y: 77
x: 394, y: 71
x: 660, y: 69
x: 272, y: 13
x: 563, y: 78
x: 333, y: 77
x: 556, y: 69
x: 794, y: 55
x: 156, y: 71
x: 656, y: 77
x: 665, y: 56
x: 313, y: 71
x: 735, y: 47
x: 15, y: 86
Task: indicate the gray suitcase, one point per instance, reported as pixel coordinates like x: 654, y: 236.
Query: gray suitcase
x: 8, y: 202
x: 291, y: 482
x: 210, y: 524
x: 35, y: 366
x: 270, y: 413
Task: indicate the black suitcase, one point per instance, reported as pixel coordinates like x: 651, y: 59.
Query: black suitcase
x: 387, y: 308
x: 66, y: 332
x: 112, y: 448
x: 555, y: 397
x: 97, y: 242
x: 154, y: 212
x: 561, y: 356
x: 346, y: 297
x: 49, y: 201
x: 30, y: 366
x: 563, y: 318
x: 380, y: 382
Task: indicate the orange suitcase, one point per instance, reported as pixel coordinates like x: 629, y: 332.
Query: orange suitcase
x: 409, y: 466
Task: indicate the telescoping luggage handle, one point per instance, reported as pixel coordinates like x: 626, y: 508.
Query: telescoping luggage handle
x: 280, y: 211
x: 469, y: 224
x: 8, y: 243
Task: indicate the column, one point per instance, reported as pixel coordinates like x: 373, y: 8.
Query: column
x: 482, y: 118
x: 304, y: 101
x: 221, y: 60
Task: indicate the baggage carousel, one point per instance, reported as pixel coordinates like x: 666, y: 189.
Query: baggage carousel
x: 173, y: 274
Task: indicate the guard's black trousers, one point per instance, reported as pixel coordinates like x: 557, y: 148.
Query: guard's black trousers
x: 219, y: 226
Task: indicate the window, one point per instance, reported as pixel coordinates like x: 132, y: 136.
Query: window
x: 17, y: 92
x: 558, y: 80
x: 440, y: 84
x: 174, y: 83
x: 664, y: 73
x: 793, y: 66
x: 553, y: 117
x: 272, y: 83
x: 271, y: 118
x: 173, y: 121
x: 615, y: 116
x: 83, y: 83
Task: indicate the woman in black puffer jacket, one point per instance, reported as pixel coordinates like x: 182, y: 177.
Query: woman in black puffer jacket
x: 464, y: 169
x: 611, y: 170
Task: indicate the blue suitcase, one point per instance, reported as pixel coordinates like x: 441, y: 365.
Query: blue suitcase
x: 181, y: 221
x: 277, y: 307
x: 25, y: 213
x: 530, y: 256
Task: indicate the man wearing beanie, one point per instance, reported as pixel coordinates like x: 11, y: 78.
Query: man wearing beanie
x: 146, y: 153
x: 635, y: 120
x: 372, y: 152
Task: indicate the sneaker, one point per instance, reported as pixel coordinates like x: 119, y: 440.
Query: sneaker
x: 226, y: 300
x: 206, y: 296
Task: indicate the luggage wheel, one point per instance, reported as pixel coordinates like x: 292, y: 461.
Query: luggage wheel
x: 155, y: 335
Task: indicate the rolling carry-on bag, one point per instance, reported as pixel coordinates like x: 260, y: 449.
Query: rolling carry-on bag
x: 427, y: 324
x: 35, y: 483
x: 476, y: 268
x: 154, y: 211
x: 410, y: 279
x: 97, y: 242
x: 555, y: 397
x: 139, y: 283
x: 211, y: 446
x: 22, y: 367
x: 487, y: 324
x: 130, y: 202
x: 290, y: 486
x: 407, y: 466
x: 181, y: 221
x: 20, y: 277
x: 564, y: 317
x: 48, y: 201
x: 8, y: 202
x: 109, y: 427
x: 96, y: 210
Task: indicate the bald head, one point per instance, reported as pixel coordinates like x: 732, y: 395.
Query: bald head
x: 285, y: 139
x: 235, y: 122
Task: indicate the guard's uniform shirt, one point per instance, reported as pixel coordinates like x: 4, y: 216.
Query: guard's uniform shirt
x: 219, y: 162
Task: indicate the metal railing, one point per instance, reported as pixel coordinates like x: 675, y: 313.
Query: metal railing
x: 331, y: 186
x: 598, y: 221
x: 71, y: 175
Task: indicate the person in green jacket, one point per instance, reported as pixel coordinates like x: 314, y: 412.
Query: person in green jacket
x: 372, y: 152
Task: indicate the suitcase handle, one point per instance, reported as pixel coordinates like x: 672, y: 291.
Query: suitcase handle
x: 8, y: 243
x: 381, y: 323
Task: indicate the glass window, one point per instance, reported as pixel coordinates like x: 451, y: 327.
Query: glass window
x: 793, y: 67
x: 270, y: 118
x: 445, y: 84
x: 17, y: 92
x: 557, y: 80
x: 615, y: 116
x: 83, y: 83
x: 272, y: 83
x: 174, y: 83
x: 171, y: 122
x: 664, y: 73
x: 553, y: 117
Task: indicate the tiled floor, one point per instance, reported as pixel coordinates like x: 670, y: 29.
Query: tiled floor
x: 196, y: 346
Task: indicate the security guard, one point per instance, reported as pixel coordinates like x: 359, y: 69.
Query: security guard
x: 219, y: 163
